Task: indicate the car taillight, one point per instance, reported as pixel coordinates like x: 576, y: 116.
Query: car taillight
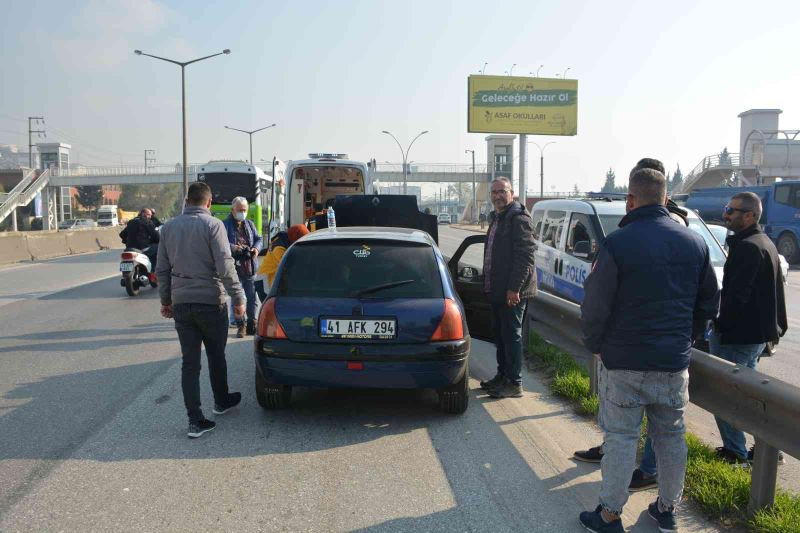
x: 128, y: 256
x: 268, y: 325
x: 451, y: 327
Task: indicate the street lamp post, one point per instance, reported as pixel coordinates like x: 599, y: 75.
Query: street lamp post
x: 541, y: 164
x: 538, y: 69
x: 565, y: 72
x: 511, y: 70
x: 183, y: 65
x: 483, y: 70
x: 474, y: 194
x: 250, y: 133
x: 405, y: 155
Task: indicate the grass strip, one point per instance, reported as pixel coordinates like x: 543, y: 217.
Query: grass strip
x: 721, y: 490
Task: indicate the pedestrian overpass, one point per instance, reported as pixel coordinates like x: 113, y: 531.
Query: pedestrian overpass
x: 52, y: 182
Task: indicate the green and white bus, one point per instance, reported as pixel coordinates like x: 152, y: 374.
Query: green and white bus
x: 229, y: 179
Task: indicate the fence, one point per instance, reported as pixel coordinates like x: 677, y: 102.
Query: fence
x: 761, y: 405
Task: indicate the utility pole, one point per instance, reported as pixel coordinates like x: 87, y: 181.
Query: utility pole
x: 30, y: 135
x: 474, y: 197
x: 149, y: 157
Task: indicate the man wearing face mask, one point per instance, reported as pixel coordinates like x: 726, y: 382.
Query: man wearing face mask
x: 245, y: 245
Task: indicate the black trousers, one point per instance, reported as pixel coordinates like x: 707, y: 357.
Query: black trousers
x: 202, y: 325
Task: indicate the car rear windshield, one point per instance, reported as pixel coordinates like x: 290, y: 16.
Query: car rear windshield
x: 343, y: 268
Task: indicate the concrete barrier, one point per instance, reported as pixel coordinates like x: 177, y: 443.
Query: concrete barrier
x: 47, y: 245
x: 82, y: 241
x: 13, y: 248
x: 108, y: 238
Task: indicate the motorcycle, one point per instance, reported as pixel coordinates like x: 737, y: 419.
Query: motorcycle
x: 136, y: 270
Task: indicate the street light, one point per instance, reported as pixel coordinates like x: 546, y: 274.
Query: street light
x: 250, y: 133
x: 541, y: 164
x: 474, y: 195
x: 183, y: 65
x: 511, y: 70
x: 405, y: 155
x: 483, y: 70
x: 538, y: 69
x: 565, y: 72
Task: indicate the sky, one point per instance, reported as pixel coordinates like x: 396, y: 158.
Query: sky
x: 656, y: 79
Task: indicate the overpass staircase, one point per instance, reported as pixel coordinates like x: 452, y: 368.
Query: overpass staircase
x: 719, y: 170
x: 23, y: 193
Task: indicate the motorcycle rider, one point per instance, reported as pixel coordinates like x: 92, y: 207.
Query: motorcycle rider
x: 140, y: 233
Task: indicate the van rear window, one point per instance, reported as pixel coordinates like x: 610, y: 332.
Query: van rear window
x: 341, y: 269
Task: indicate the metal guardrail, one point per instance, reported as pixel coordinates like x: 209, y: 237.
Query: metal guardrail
x: 761, y: 405
x: 710, y: 162
x: 10, y: 201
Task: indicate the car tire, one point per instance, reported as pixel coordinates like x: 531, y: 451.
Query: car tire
x: 455, y: 398
x: 787, y: 247
x: 271, y: 397
x: 131, y: 285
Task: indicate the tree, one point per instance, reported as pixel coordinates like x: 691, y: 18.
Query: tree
x: 165, y: 199
x: 609, y: 184
x: 677, y: 179
x: 90, y: 196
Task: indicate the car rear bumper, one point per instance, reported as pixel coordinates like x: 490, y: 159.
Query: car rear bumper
x: 432, y: 365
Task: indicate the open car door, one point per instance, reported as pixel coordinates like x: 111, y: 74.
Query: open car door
x: 468, y: 280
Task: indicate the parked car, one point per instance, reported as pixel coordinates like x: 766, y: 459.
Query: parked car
x: 77, y: 223
x: 371, y: 307
x: 444, y: 218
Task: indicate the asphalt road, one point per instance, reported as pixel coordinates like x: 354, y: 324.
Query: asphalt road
x: 784, y: 365
x: 92, y: 435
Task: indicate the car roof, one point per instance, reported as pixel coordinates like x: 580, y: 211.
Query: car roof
x: 601, y: 207
x: 369, y: 233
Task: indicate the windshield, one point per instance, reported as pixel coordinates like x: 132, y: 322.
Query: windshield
x: 610, y: 224
x: 375, y: 269
x: 105, y: 215
x: 225, y: 186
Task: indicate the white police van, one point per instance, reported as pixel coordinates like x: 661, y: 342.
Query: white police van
x: 568, y: 234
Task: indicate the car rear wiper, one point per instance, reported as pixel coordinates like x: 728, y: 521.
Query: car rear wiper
x: 376, y: 288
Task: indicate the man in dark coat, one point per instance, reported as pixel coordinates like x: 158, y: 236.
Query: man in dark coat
x: 509, y: 281
x: 753, y: 309
x: 140, y: 233
x: 651, y: 283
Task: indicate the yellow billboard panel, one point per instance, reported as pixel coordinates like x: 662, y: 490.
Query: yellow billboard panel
x: 539, y: 106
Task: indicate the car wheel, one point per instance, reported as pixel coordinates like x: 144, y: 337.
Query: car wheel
x: 131, y: 285
x: 271, y: 396
x: 787, y: 247
x: 455, y: 398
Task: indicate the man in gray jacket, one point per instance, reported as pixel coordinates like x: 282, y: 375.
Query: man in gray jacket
x: 195, y: 269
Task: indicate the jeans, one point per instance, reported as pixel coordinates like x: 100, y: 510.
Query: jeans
x: 625, y: 395
x: 259, y: 286
x: 250, y: 293
x: 648, y: 463
x: 743, y: 355
x: 202, y: 324
x: 507, y: 330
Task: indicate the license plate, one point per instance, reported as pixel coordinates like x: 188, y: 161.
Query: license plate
x: 126, y: 267
x: 362, y: 328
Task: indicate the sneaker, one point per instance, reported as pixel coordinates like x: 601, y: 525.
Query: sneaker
x: 593, y: 521
x: 240, y: 330
x: 729, y: 456
x: 234, y: 399
x: 506, y: 389
x: 751, y: 455
x: 666, y: 520
x: 592, y: 455
x: 642, y: 481
x: 251, y: 329
x: 201, y: 426
x: 492, y: 383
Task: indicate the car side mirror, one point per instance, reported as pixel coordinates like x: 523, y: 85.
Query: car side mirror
x: 467, y: 273
x: 582, y: 249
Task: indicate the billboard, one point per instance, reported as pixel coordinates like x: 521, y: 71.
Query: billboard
x: 539, y: 106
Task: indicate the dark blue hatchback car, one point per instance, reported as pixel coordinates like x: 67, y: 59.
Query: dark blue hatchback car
x: 365, y: 307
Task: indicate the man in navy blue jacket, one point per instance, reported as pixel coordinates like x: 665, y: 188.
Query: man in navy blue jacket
x: 245, y: 245
x: 651, y: 285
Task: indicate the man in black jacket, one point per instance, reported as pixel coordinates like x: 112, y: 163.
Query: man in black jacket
x: 753, y: 310
x: 508, y: 283
x: 140, y: 233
